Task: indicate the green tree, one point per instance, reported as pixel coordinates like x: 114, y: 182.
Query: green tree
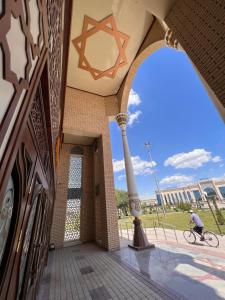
x: 122, y: 202
x: 184, y: 206
x: 143, y: 208
x: 219, y: 215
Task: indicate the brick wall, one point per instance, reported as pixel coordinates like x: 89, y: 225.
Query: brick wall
x: 199, y: 26
x: 58, y: 223
x: 86, y: 115
x: 87, y: 204
x: 98, y: 180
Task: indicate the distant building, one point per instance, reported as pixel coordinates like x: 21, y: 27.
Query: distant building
x: 150, y: 201
x: 193, y: 193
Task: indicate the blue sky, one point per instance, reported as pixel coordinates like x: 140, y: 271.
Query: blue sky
x: 170, y: 108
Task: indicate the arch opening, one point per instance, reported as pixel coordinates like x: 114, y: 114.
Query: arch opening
x: 163, y: 87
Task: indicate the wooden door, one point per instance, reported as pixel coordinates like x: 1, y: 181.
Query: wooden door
x: 29, y: 237
x: 26, y: 204
x: 21, y: 186
x: 38, y: 249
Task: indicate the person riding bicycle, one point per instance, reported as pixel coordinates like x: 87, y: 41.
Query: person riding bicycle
x: 198, y: 224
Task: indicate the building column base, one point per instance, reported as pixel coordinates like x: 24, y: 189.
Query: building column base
x: 142, y: 248
x: 140, y: 241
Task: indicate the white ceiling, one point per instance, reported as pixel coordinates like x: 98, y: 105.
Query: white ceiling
x: 132, y: 19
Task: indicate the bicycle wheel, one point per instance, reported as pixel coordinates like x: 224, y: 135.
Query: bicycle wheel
x: 211, y: 239
x: 189, y: 236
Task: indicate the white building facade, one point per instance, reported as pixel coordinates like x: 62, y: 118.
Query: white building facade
x: 193, y: 193
x: 149, y: 201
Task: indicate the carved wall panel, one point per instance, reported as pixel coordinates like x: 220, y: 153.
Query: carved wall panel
x: 10, y: 124
x: 7, y: 90
x: 37, y: 117
x: 22, y: 40
x: 55, y: 10
x: 24, y: 133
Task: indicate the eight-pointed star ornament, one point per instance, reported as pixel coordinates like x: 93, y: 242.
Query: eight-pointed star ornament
x: 91, y: 27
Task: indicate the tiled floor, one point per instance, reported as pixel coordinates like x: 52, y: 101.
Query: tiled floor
x: 86, y: 272
x: 191, y: 271
x: 170, y: 271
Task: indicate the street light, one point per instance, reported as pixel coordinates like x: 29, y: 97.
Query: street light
x: 217, y: 224
x: 156, y: 205
x: 147, y: 146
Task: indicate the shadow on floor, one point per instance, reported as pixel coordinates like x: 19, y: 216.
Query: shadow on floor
x: 192, y: 275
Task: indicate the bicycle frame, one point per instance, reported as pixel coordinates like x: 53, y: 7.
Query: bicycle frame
x: 196, y: 233
x: 209, y: 237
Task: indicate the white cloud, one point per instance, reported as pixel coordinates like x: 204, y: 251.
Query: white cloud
x: 121, y: 177
x: 216, y: 159
x: 193, y: 159
x: 221, y: 165
x: 133, y: 117
x: 134, y: 98
x: 118, y: 165
x: 141, y: 167
x: 177, y: 179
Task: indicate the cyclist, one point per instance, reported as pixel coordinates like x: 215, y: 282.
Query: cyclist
x: 198, y: 224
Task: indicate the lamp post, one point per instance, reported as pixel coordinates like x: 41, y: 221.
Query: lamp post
x: 156, y: 204
x: 210, y: 207
x: 147, y: 146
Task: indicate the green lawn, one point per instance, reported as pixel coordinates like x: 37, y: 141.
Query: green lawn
x: 178, y: 219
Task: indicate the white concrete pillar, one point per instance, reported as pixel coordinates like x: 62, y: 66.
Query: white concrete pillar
x: 134, y: 201
x: 186, y: 197
x: 202, y: 194
x: 217, y: 191
x: 140, y: 240
x: 193, y: 196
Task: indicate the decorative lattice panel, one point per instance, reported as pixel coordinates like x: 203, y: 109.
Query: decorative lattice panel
x: 55, y: 35
x: 72, y: 227
x: 23, y: 46
x: 38, y: 121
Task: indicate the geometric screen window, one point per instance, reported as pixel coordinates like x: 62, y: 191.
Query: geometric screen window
x: 74, y: 194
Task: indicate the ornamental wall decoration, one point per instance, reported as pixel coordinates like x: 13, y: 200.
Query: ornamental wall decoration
x: 107, y: 25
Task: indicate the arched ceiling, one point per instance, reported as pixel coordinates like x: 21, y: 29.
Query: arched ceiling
x: 99, y: 50
x: 104, y: 40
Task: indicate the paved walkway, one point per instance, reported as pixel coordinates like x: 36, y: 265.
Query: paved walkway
x: 170, y: 271
x: 172, y: 237
x: 185, y: 269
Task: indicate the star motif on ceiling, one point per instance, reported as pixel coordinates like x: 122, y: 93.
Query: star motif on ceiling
x: 91, y: 27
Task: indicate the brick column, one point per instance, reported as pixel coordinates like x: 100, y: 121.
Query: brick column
x: 200, y: 29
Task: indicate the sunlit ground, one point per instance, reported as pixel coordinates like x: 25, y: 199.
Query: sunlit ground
x: 178, y: 219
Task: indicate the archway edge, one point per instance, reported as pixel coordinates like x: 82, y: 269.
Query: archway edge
x: 123, y: 94
x: 154, y: 40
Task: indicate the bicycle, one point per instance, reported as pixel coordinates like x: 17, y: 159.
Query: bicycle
x: 210, y: 237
